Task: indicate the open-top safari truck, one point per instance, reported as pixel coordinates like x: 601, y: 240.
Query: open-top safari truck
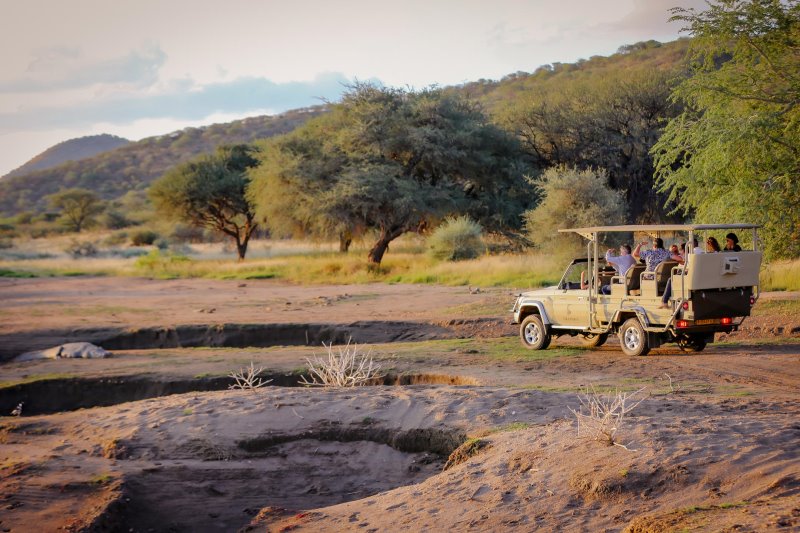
x: 710, y: 292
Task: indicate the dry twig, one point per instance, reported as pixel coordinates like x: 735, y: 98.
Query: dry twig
x: 601, y: 416
x: 247, y: 378
x: 347, y: 368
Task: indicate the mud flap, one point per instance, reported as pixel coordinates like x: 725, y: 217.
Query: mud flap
x: 654, y: 340
x: 709, y: 337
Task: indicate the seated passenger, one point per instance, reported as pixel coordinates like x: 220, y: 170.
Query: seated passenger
x: 620, y: 263
x: 678, y: 258
x: 712, y: 245
x: 732, y: 243
x: 652, y: 257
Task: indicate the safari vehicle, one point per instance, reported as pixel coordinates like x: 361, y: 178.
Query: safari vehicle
x: 711, y: 292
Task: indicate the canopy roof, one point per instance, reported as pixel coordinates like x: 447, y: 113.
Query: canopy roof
x: 654, y: 228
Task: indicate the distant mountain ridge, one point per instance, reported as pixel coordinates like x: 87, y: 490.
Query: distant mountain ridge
x: 71, y: 150
x: 133, y: 166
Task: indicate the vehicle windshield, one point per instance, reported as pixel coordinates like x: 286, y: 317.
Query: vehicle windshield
x: 572, y: 276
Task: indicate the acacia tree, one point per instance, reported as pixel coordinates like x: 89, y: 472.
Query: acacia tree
x: 734, y: 153
x: 78, y: 207
x: 390, y: 160
x: 601, y: 122
x: 210, y: 192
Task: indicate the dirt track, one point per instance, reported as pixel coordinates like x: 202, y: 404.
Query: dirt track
x: 324, y: 448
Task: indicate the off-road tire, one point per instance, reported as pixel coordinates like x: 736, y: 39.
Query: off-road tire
x: 693, y: 343
x: 633, y: 338
x: 593, y: 340
x: 533, y: 333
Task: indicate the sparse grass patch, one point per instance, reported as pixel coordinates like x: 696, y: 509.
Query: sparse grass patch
x: 8, y: 273
x: 777, y: 307
x: 513, y: 426
x: 494, y: 305
x: 509, y: 349
x: 101, y: 479
x: 33, y: 379
x: 500, y: 348
x: 733, y: 391
x: 470, y: 448
x: 698, y: 508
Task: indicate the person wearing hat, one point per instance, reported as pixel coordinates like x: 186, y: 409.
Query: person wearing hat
x: 732, y: 243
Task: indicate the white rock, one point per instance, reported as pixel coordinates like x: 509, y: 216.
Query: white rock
x: 71, y: 350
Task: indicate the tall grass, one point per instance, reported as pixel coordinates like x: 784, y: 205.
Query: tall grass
x: 305, y: 263
x: 315, y: 268
x: 781, y: 276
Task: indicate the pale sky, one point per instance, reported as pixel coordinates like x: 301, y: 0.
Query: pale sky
x: 137, y: 68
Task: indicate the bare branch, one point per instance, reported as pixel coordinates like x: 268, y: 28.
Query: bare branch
x: 347, y: 368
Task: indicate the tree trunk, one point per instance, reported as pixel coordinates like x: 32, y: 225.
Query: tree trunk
x: 241, y: 243
x: 345, y: 239
x: 241, y: 249
x: 376, y: 253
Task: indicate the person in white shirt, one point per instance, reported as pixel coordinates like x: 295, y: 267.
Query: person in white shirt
x: 621, y: 263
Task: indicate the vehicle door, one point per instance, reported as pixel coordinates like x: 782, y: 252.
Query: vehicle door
x: 571, y: 303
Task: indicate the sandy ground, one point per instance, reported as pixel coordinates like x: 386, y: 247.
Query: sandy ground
x: 712, y: 447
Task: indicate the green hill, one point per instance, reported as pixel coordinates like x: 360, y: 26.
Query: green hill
x: 135, y: 165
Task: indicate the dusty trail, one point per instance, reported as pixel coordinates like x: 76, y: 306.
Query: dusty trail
x: 713, y: 446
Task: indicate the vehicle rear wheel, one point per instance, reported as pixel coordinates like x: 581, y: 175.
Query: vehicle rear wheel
x: 593, y: 340
x: 693, y: 343
x: 533, y: 334
x: 633, y: 338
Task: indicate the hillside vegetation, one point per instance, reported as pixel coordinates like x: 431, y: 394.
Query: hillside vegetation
x: 134, y: 166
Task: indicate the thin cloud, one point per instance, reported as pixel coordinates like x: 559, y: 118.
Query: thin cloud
x: 237, y: 96
x: 651, y: 17
x: 60, y: 68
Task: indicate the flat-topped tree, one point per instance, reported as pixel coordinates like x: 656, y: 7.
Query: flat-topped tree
x: 391, y: 160
x: 209, y: 192
x: 77, y: 207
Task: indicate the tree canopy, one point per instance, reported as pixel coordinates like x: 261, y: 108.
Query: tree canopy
x: 601, y: 122
x: 77, y: 207
x: 391, y: 160
x: 210, y: 192
x: 733, y: 154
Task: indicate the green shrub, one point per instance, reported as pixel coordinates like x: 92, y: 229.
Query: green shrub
x: 114, y: 219
x: 456, y: 239
x: 143, y: 237
x: 158, y: 262
x: 572, y: 199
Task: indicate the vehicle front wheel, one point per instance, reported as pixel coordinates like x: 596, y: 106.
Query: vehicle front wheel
x: 593, y: 340
x: 633, y: 338
x: 533, y: 334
